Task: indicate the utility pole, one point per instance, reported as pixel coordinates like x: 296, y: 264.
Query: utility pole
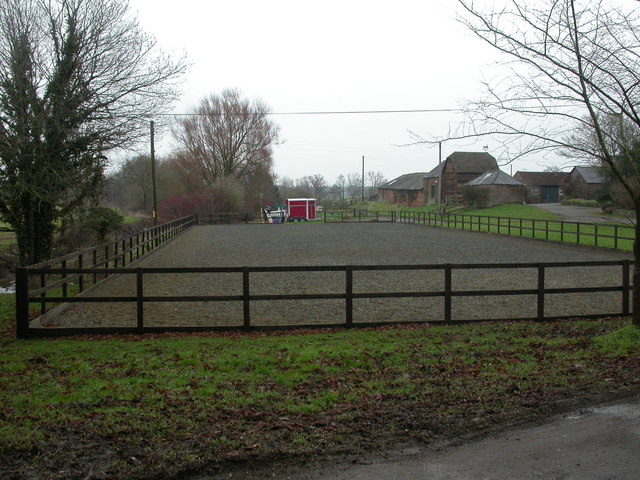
x: 363, y: 178
x: 153, y: 174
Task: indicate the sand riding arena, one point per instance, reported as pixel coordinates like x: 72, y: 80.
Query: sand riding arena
x: 281, y: 298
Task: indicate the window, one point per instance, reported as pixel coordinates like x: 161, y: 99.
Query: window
x: 433, y: 191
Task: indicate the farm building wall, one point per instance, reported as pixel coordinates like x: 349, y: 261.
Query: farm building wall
x: 577, y: 187
x: 503, y: 194
x: 431, y: 190
x: 409, y: 198
x: 453, y: 182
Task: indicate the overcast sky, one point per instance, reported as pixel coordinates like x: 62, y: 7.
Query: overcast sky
x: 334, y: 55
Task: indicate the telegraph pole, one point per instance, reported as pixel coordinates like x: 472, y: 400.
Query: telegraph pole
x: 362, y: 178
x: 153, y: 174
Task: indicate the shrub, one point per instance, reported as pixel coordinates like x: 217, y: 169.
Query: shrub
x: 224, y: 196
x: 476, y: 197
x: 578, y: 202
x: 103, y: 221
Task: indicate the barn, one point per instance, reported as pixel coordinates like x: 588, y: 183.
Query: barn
x: 446, y: 180
x: 493, y: 188
x: 406, y: 190
x: 543, y: 187
x: 584, y: 182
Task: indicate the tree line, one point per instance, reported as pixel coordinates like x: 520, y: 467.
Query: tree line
x: 181, y: 190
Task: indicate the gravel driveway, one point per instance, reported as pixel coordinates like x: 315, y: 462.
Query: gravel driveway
x: 347, y: 244
x: 574, y: 213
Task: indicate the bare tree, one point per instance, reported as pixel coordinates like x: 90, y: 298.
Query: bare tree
x: 136, y: 172
x: 354, y: 187
x: 573, y: 66
x: 316, y: 185
x: 77, y: 79
x: 340, y: 190
x: 374, y: 180
x: 228, y: 136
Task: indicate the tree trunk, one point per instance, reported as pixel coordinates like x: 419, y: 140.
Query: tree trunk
x: 635, y: 304
x: 34, y: 233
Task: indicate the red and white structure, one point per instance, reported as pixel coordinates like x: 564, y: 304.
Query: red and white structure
x: 301, y: 209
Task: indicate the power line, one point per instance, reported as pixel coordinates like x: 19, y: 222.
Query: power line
x: 329, y: 112
x: 367, y: 112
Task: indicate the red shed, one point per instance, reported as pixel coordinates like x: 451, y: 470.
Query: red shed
x: 301, y: 209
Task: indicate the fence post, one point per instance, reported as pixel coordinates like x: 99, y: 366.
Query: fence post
x: 546, y: 237
x: 625, y: 287
x: 94, y: 258
x: 22, y: 303
x: 139, y: 301
x: 447, y: 292
x: 246, y: 306
x: 43, y: 283
x: 349, y: 296
x: 81, y: 276
x: 63, y: 264
x: 541, y: 269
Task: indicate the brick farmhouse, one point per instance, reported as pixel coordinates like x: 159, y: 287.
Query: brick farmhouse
x: 543, y: 187
x: 584, y: 182
x: 447, y: 181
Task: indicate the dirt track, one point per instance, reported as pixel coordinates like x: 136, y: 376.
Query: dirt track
x: 342, y: 244
x: 594, y: 443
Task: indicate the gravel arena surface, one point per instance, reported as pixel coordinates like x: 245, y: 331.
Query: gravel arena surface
x: 346, y: 244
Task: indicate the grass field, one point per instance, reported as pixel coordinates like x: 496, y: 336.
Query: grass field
x: 139, y: 407
x: 532, y: 222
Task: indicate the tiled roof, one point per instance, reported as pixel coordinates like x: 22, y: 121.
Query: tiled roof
x: 590, y: 174
x: 542, y: 178
x: 466, y: 162
x: 495, y: 177
x: 472, y: 162
x: 408, y: 181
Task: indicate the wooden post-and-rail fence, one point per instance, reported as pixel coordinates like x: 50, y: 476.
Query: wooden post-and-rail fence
x: 612, y: 235
x: 448, y: 293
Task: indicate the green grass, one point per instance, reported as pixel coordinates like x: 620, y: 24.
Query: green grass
x: 531, y: 222
x: 128, y: 219
x: 513, y: 211
x: 7, y: 313
x: 181, y: 401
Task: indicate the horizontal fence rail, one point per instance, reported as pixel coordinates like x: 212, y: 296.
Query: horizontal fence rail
x: 228, y: 218
x: 538, y: 290
x: 596, y: 234
x: 358, y: 215
x: 337, y: 216
x: 79, y: 270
